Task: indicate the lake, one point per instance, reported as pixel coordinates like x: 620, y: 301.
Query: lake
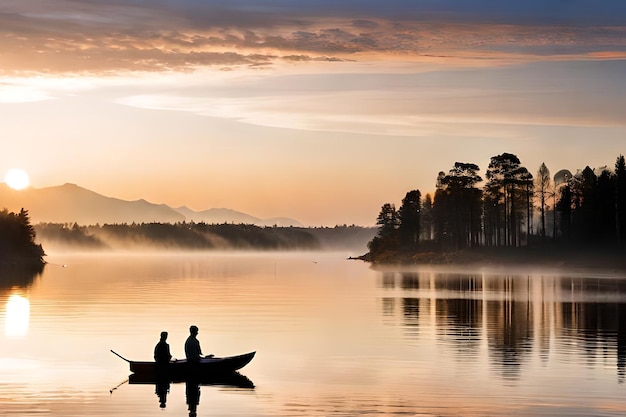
x: 334, y: 337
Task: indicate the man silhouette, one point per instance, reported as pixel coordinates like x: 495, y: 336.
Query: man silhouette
x: 193, y: 353
x: 162, y: 353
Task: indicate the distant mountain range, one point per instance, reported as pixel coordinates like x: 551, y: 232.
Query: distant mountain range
x: 70, y: 203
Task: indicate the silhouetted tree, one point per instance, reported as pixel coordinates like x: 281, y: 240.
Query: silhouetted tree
x: 509, y: 184
x: 387, y: 220
x: 17, y: 240
x: 458, y: 206
x: 584, y: 188
x: 605, y: 208
x: 542, y: 183
x: 561, y: 179
x: 426, y: 218
x: 564, y: 206
x: 409, y: 218
x: 387, y: 237
x: 620, y: 199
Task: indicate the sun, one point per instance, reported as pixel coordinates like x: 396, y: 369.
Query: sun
x: 17, y: 179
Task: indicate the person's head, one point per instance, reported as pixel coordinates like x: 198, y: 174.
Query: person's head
x: 193, y: 330
x: 163, y: 335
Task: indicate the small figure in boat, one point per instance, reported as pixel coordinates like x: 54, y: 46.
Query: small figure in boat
x: 162, y: 350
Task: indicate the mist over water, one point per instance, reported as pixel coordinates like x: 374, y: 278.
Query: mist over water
x: 333, y: 337
x: 61, y: 237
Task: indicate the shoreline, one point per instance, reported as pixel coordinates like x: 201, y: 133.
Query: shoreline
x: 540, y: 256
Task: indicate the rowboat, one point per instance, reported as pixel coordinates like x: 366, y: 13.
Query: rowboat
x: 182, y: 369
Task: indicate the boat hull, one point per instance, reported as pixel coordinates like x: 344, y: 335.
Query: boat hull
x: 181, y: 369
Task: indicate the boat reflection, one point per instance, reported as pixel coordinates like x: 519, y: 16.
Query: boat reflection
x: 192, y: 386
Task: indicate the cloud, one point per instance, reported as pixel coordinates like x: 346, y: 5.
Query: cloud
x: 62, y: 36
x: 462, y: 103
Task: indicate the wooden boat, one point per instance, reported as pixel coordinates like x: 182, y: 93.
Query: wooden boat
x: 181, y: 369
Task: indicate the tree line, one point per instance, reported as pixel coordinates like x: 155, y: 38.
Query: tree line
x: 181, y: 235
x: 201, y: 236
x: 508, y: 208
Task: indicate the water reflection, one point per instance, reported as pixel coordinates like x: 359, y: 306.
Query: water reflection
x: 17, y: 316
x: 192, y: 393
x: 518, y: 317
x: 161, y: 389
x: 11, y: 276
x: 13, y: 281
x: 192, y: 387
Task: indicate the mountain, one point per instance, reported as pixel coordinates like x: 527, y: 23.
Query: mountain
x: 224, y: 215
x: 70, y: 203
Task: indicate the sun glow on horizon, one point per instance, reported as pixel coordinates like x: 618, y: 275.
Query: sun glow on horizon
x: 17, y: 179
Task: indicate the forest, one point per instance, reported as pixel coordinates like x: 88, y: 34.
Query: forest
x: 17, y: 242
x: 509, y: 208
x: 201, y: 236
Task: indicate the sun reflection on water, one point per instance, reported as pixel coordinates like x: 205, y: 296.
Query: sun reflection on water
x: 17, y: 316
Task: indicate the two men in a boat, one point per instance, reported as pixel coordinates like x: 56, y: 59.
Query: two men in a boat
x: 193, y: 352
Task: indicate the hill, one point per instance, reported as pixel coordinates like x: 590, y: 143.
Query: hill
x: 225, y: 215
x: 70, y: 203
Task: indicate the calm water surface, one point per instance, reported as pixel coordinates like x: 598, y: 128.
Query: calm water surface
x: 333, y: 337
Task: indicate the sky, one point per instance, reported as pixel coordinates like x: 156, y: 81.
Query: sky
x: 321, y: 111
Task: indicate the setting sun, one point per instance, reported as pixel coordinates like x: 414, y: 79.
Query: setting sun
x: 17, y: 179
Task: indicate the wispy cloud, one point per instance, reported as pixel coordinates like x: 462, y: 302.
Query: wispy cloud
x: 460, y: 102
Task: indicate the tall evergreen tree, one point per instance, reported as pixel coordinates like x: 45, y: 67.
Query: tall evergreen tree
x: 561, y: 180
x: 458, y: 205
x: 620, y: 199
x: 409, y: 217
x: 585, y: 201
x: 605, y: 212
x: 387, y: 237
x: 564, y: 206
x: 387, y: 220
x: 542, y: 183
x: 508, y: 187
x: 426, y: 218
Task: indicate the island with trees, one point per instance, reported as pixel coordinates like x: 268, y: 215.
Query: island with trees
x: 18, y: 249
x: 510, y: 216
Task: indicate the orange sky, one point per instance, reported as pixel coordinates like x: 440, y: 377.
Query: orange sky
x: 312, y: 110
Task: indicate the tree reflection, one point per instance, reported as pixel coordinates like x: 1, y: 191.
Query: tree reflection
x: 18, y: 276
x: 517, y: 316
x: 459, y: 319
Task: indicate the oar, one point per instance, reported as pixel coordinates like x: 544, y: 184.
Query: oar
x: 119, y: 385
x: 117, y: 354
